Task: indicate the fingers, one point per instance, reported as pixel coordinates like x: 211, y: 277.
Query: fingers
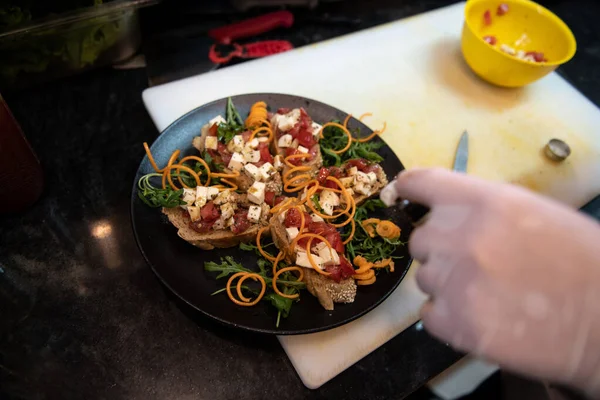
x: 432, y: 186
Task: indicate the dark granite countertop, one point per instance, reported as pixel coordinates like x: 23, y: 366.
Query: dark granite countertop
x: 82, y: 316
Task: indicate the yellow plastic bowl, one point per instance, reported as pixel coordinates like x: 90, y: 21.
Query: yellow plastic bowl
x: 526, y: 26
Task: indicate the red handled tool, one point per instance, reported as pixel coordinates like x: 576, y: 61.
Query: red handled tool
x: 252, y: 27
x: 250, y: 50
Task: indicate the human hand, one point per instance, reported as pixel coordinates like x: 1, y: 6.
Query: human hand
x: 513, y: 277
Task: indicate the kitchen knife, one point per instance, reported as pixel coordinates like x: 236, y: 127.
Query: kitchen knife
x: 417, y: 213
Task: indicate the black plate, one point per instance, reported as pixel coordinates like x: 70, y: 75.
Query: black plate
x: 180, y: 266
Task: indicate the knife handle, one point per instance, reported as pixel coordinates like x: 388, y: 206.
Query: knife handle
x: 252, y: 27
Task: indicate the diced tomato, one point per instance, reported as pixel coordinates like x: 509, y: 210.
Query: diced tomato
x: 291, y: 151
x: 265, y: 154
x: 322, y: 175
x: 487, y: 17
x: 346, y: 267
x: 210, y: 212
x: 269, y: 198
x: 502, y: 9
x: 306, y: 138
x: 246, y: 135
x: 360, y: 163
x: 490, y: 40
x: 372, y: 168
x: 537, y: 56
x: 335, y: 239
x: 284, y: 110
x: 224, y: 153
x: 240, y: 222
x: 202, y: 226
x: 293, y: 219
x: 342, y: 271
x: 212, y: 131
x: 279, y: 199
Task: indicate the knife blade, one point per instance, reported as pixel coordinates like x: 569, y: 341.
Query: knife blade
x: 417, y: 213
x: 462, y: 153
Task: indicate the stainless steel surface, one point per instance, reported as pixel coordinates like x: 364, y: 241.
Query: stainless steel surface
x: 557, y: 150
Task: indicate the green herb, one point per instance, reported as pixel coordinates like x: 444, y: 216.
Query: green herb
x: 367, y: 150
x: 158, y: 197
x: 233, y: 124
x: 335, y: 138
x: 229, y: 266
x: 254, y: 248
x: 372, y: 249
x: 315, y: 200
x: 283, y: 305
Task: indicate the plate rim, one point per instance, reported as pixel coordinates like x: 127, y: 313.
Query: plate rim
x: 228, y: 323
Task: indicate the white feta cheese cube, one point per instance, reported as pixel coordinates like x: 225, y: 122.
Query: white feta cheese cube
x: 278, y: 163
x: 217, y: 120
x: 352, y: 171
x: 347, y: 181
x: 282, y: 216
x: 237, y: 162
x: 327, y: 196
x: 372, y: 178
x: 256, y: 193
x: 254, y: 213
x: 302, y: 260
x: 212, y: 142
x: 327, y: 208
x: 223, y: 197
x: 285, y: 141
x: 292, y: 233
x: 253, y: 172
x: 267, y: 171
x: 329, y: 256
x: 363, y: 188
x: 316, y: 218
x: 212, y: 192
x: 316, y: 128
x: 287, y: 121
x: 263, y: 139
x: 194, y: 212
x: 236, y: 144
x: 253, y: 143
x: 189, y: 196
x: 230, y: 222
x: 251, y: 155
x: 219, y: 224
x: 201, y: 196
x: 227, y: 211
x: 361, y: 177
x: 302, y: 149
x: 319, y: 246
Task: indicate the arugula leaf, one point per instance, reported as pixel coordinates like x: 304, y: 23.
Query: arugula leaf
x: 335, y: 138
x: 158, y: 197
x: 229, y: 266
x: 315, y: 200
x: 372, y: 249
x: 233, y: 123
x: 282, y: 304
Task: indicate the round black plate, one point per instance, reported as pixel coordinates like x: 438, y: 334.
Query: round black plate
x: 180, y: 266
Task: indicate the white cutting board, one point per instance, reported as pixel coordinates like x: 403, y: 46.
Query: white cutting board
x: 411, y: 74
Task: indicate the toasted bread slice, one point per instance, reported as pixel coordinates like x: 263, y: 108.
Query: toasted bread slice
x: 217, y: 238
x: 326, y: 290
x: 382, y: 181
